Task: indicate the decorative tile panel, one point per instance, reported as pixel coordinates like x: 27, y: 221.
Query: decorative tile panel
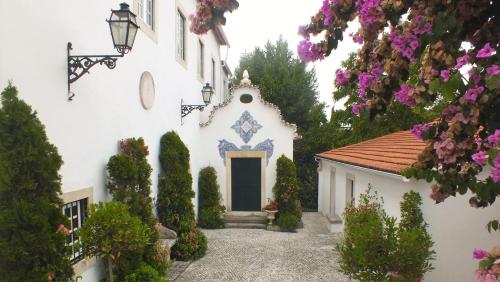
x: 226, y: 146
x: 246, y: 126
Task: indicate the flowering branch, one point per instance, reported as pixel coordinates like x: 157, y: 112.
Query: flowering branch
x: 426, y: 37
x: 210, y: 14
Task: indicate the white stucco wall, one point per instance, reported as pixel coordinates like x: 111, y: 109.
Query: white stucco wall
x: 107, y: 107
x: 219, y: 128
x: 455, y: 227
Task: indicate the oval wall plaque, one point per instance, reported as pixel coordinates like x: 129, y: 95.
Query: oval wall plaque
x: 147, y: 90
x: 246, y: 98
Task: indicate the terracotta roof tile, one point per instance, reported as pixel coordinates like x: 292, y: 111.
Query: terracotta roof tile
x: 389, y: 153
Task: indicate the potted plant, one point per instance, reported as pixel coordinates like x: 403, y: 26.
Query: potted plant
x: 271, y: 209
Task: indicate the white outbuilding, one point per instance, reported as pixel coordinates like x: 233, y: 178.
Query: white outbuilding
x: 455, y: 227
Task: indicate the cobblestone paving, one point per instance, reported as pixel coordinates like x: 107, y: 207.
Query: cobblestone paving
x: 260, y: 255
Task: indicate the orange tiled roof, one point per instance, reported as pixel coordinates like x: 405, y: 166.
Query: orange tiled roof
x: 389, y: 153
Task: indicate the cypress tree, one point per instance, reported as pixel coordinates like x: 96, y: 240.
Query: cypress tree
x: 209, y: 208
x: 175, y: 207
x: 32, y: 247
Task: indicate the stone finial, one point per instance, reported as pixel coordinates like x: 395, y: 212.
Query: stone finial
x: 246, y: 79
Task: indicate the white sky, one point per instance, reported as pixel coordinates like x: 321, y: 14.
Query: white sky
x: 257, y: 21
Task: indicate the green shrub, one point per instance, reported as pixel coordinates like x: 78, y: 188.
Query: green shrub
x: 413, y: 253
x: 190, y: 245
x: 288, y: 222
x: 111, y: 231
x: 366, y: 251
x: 175, y: 207
x: 211, y: 218
x: 145, y: 273
x: 129, y: 180
x: 286, y: 191
x: 375, y: 249
x: 210, y: 210
x: 158, y: 257
x: 31, y: 248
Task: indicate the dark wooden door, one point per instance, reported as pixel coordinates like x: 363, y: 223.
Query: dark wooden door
x: 245, y: 184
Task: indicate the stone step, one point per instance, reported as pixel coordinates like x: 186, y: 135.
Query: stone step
x: 245, y: 225
x: 245, y: 219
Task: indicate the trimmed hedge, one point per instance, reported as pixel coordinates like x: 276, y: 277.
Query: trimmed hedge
x: 286, y: 193
x: 210, y: 210
x: 32, y: 243
x: 175, y: 207
x: 129, y: 178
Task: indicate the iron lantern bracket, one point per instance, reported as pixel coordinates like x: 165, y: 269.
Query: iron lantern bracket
x: 187, y: 109
x: 80, y: 65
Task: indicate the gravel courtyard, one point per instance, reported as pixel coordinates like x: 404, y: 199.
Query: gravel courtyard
x: 259, y: 255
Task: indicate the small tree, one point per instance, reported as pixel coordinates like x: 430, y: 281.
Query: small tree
x: 286, y: 193
x: 31, y: 246
x: 110, y: 231
x: 366, y: 251
x: 413, y: 254
x: 175, y: 193
x: 209, y: 207
x: 129, y: 180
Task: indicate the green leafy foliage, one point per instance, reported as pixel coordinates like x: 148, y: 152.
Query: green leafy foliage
x: 286, y: 190
x: 110, y: 231
x: 31, y: 248
x: 129, y: 178
x: 210, y: 210
x: 413, y: 252
x: 288, y: 221
x: 145, y: 273
x: 286, y: 82
x: 175, y: 193
x: 368, y: 243
x: 347, y: 128
x: 190, y: 245
x: 374, y: 248
x: 493, y: 225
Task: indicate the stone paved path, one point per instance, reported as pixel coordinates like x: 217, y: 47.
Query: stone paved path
x: 260, y: 255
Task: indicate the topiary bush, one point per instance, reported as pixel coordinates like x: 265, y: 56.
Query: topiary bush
x: 286, y: 191
x: 32, y: 244
x: 413, y: 252
x: 374, y: 248
x: 366, y: 251
x: 110, y: 231
x: 190, y: 245
x: 288, y: 222
x: 210, y: 210
x: 175, y: 207
x: 145, y: 273
x: 129, y: 178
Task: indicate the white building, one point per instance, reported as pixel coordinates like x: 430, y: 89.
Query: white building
x: 455, y: 227
x: 140, y: 97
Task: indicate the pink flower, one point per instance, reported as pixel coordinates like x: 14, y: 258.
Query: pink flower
x: 494, y: 139
x: 493, y: 70
x: 495, y: 175
x: 419, y: 129
x: 309, y: 52
x: 357, y: 38
x: 496, y: 161
x: 471, y: 94
x: 404, y: 95
x: 303, y: 31
x: 480, y: 158
x: 327, y: 13
x: 485, y: 52
x: 445, y: 75
x: 479, y: 254
x: 473, y: 75
x: 461, y: 61
x: 342, y: 77
x: 357, y: 108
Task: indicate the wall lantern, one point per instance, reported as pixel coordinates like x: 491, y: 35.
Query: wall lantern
x: 206, y: 92
x: 123, y: 27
